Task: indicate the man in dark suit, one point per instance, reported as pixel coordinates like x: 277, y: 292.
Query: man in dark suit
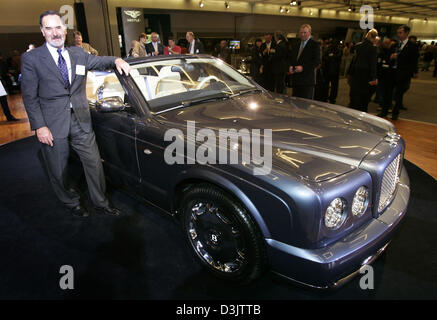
x: 385, y: 74
x: 53, y: 90
x: 279, y: 63
x: 331, y: 61
x: 405, y: 59
x: 223, y: 52
x: 256, y: 62
x: 304, y: 60
x: 268, y: 49
x: 194, y: 45
x: 155, y: 48
x: 362, y: 72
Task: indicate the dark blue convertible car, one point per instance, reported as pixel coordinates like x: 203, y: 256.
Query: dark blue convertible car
x: 311, y: 191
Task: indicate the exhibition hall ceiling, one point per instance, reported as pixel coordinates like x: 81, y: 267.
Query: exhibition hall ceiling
x: 404, y: 8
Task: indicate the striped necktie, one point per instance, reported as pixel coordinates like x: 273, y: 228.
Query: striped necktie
x: 62, y: 65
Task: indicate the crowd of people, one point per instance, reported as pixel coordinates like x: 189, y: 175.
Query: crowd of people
x: 312, y: 68
x: 143, y: 48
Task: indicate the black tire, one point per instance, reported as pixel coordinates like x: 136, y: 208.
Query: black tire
x: 225, y: 231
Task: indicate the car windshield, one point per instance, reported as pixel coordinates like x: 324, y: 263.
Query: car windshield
x: 177, y: 82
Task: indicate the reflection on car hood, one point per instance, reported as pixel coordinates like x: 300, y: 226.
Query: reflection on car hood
x: 314, y: 140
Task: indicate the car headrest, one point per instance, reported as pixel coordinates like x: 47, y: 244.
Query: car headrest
x: 166, y: 73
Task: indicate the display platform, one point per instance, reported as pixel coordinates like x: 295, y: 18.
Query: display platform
x: 143, y: 254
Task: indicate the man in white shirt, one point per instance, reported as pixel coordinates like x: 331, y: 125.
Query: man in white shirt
x: 194, y: 46
x: 155, y: 48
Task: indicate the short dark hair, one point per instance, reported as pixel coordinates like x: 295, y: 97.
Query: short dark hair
x: 406, y: 28
x: 258, y: 40
x: 77, y: 33
x: 142, y: 35
x: 48, y: 13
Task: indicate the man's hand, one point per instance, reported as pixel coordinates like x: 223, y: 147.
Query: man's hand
x: 122, y: 66
x: 298, y: 69
x: 374, y: 82
x: 393, y: 56
x: 44, y: 135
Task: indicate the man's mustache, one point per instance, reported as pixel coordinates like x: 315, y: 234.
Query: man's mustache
x: 57, y: 37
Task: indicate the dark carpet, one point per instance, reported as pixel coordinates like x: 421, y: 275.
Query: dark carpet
x: 143, y: 254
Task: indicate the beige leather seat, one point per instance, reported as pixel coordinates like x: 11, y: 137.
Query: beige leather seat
x: 169, y: 83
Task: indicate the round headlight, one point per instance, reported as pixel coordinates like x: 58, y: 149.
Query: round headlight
x: 360, y: 202
x: 335, y: 214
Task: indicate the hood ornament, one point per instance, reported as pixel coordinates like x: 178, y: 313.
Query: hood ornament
x: 392, y: 138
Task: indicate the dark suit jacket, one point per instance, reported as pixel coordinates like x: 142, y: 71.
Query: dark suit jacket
x: 45, y: 97
x: 198, y: 47
x: 279, y: 58
x: 407, y: 61
x: 150, y: 48
x: 267, y: 57
x: 331, y: 61
x: 309, y: 60
x: 256, y: 63
x: 363, y: 66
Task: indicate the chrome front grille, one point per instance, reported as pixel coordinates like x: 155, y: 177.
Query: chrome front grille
x: 389, y: 182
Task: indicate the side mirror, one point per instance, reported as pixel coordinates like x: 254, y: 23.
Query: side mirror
x: 110, y: 104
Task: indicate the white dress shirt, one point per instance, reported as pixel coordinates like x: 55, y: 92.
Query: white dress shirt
x: 192, y: 46
x: 403, y: 43
x: 155, y: 46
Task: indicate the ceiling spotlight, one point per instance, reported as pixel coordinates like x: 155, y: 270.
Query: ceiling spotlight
x: 311, y: 13
x: 201, y: 4
x: 378, y: 7
x: 287, y: 11
x: 293, y: 3
x: 281, y: 10
x: 227, y: 5
x: 349, y: 9
x: 426, y: 19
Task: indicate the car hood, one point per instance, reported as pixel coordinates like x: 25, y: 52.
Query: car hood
x: 314, y: 140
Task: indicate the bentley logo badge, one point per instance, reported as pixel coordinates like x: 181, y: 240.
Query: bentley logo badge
x: 133, y: 13
x: 392, y: 138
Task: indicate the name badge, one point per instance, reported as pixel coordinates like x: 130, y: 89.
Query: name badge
x: 80, y: 69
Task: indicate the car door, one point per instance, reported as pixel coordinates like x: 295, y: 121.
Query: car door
x: 115, y: 132
x: 155, y: 173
